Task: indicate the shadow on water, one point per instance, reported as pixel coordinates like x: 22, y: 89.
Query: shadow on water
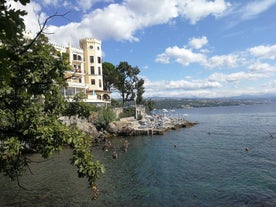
x: 53, y: 183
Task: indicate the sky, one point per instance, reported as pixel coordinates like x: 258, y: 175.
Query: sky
x: 183, y: 48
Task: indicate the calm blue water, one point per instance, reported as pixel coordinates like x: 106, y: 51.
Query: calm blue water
x: 209, y: 166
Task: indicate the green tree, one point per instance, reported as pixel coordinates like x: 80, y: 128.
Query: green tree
x: 109, y: 76
x: 31, y: 78
x: 79, y: 107
x: 140, y: 91
x: 128, y: 82
x: 150, y: 105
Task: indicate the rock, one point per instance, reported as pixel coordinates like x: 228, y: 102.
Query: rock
x: 125, y: 127
x: 121, y: 128
x: 81, y: 124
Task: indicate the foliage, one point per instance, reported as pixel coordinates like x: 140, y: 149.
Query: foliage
x: 104, y: 117
x: 128, y: 82
x: 150, y: 105
x: 127, y: 112
x: 109, y: 76
x: 140, y: 91
x: 82, y: 158
x: 77, y: 106
x: 11, y: 22
x: 139, y: 117
x: 31, y: 78
x: 115, y: 103
x: 124, y: 79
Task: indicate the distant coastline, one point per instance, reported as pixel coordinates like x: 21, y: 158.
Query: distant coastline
x: 169, y: 103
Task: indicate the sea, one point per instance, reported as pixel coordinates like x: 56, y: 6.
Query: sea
x: 227, y: 159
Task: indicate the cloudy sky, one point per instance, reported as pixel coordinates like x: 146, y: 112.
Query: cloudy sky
x: 184, y: 48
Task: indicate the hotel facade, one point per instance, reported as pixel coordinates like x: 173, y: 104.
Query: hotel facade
x: 86, y: 73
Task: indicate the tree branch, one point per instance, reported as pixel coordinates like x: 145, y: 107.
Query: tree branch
x: 19, y: 184
x: 42, y: 30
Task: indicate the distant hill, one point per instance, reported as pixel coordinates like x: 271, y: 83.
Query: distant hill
x: 169, y: 103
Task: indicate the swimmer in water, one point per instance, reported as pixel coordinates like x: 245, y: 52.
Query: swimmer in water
x: 115, y: 155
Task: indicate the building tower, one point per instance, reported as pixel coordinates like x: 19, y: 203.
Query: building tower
x: 93, y: 64
x: 85, y: 75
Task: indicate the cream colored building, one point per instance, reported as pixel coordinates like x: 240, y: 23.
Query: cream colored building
x: 86, y: 74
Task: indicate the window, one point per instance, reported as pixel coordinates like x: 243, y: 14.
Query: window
x: 92, y: 70
x: 99, y: 60
x: 91, y: 47
x: 79, y: 90
x: 100, y: 83
x: 98, y: 48
x: 99, y: 70
x: 92, y: 81
x: 70, y: 91
x: 91, y: 59
x: 74, y: 57
x: 79, y: 57
x: 80, y: 80
x: 77, y: 68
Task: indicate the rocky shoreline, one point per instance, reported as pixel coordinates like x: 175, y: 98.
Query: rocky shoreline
x: 129, y: 127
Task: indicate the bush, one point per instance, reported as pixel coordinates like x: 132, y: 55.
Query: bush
x: 78, y: 107
x: 127, y: 112
x: 104, y: 117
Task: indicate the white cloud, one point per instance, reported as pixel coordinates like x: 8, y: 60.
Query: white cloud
x: 182, y: 84
x: 235, y: 77
x: 264, y: 52
x: 117, y: 21
x: 213, y: 87
x: 198, y: 9
x: 51, y: 2
x: 239, y: 59
x: 246, y: 10
x: 180, y: 88
x: 198, y: 43
x: 220, y: 61
x: 261, y: 67
x: 145, y: 67
x: 121, y: 21
x: 270, y: 84
x: 183, y: 56
x: 149, y: 13
x: 256, y: 7
x: 83, y: 5
x: 162, y: 58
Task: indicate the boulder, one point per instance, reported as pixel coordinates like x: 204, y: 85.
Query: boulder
x: 82, y: 124
x: 121, y: 128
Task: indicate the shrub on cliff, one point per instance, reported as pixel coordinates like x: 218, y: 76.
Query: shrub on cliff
x: 103, y: 118
x: 127, y: 112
